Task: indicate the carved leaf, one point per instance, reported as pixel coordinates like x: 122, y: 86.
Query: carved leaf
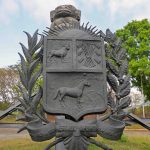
x: 36, y: 99
x: 33, y: 80
x: 34, y: 38
x: 26, y: 53
x: 23, y: 103
x: 112, y: 82
x: 121, y: 54
x: 124, y: 102
x: 110, y: 36
x: 114, y: 54
x: 24, y: 94
x: 32, y: 66
x: 42, y: 113
x: 23, y: 80
x: 29, y: 39
x: 112, y: 68
x: 24, y: 67
x: 22, y: 109
x: 102, y: 34
x: 107, y: 51
x: 123, y: 68
x: 111, y: 101
x: 39, y: 54
x: 118, y: 42
x: 125, y: 83
x: 37, y: 46
x: 125, y: 92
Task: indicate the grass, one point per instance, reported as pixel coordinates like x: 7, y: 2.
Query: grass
x: 135, y: 126
x: 126, y: 143
x: 9, y: 119
x: 22, y: 144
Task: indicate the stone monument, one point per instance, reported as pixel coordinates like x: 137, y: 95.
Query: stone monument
x: 84, y: 71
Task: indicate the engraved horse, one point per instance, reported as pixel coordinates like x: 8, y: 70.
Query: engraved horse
x: 74, y: 92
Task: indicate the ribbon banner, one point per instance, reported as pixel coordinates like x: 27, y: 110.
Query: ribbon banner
x: 76, y: 135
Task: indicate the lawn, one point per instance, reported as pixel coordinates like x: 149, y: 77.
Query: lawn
x: 126, y: 143
x: 10, y: 119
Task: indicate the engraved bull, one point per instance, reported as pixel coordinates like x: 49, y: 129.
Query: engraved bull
x: 61, y: 53
x: 74, y: 92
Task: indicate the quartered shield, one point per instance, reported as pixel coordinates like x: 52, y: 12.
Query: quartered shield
x: 74, y: 73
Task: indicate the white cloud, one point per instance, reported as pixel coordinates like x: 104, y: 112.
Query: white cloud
x: 7, y: 9
x: 40, y: 9
x: 92, y: 4
x: 137, y: 9
x: 144, y: 13
x: 122, y: 6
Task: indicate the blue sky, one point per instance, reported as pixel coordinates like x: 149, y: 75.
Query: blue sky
x: 29, y: 15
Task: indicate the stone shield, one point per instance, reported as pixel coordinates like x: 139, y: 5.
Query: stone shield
x: 74, y: 75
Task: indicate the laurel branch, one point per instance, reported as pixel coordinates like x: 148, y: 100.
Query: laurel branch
x: 30, y: 72
x: 117, y: 72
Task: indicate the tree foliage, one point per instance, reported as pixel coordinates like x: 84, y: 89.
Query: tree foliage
x: 8, y: 84
x: 136, y: 38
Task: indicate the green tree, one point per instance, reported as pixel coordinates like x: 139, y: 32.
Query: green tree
x: 136, y: 38
x: 8, y: 85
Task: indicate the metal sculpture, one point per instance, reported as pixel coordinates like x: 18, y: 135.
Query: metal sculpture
x: 90, y: 62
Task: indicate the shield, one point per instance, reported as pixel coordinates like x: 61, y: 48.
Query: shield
x: 74, y: 73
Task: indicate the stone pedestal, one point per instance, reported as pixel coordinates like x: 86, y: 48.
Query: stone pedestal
x: 60, y: 146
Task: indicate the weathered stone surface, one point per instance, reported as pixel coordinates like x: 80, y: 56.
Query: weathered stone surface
x: 74, y: 73
x: 65, y: 15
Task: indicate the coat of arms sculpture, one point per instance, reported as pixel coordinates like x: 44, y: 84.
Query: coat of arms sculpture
x: 84, y: 71
x: 74, y: 73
